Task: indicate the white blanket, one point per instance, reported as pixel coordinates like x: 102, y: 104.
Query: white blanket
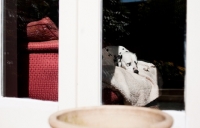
x: 137, y: 89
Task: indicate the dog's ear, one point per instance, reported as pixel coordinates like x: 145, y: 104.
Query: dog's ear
x: 119, y: 57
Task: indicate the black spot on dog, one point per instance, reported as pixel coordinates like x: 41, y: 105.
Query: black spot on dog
x: 126, y: 51
x: 120, y: 53
x: 109, y: 54
x: 107, y: 50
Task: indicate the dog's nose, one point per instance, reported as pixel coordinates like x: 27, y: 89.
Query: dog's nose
x: 136, y: 71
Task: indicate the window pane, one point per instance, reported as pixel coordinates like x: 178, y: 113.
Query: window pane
x: 153, y: 32
x: 30, y: 49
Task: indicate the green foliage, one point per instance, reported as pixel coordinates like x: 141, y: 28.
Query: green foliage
x: 115, y: 20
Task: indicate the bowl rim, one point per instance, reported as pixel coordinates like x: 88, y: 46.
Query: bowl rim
x: 55, y: 123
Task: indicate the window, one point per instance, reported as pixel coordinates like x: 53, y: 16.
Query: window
x: 73, y: 49
x: 156, y: 32
x: 68, y: 93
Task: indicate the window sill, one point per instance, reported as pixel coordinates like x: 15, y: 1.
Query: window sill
x: 23, y: 113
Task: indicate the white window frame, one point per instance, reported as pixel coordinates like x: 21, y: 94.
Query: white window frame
x: 79, y: 53
x: 192, y: 103
x: 80, y: 42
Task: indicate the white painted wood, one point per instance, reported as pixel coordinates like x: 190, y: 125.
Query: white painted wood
x: 67, y: 54
x: 192, y: 85
x: 89, y: 49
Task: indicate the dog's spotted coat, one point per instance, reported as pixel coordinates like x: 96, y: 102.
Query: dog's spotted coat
x: 119, y: 56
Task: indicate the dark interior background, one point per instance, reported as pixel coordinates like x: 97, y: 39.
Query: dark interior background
x: 153, y: 29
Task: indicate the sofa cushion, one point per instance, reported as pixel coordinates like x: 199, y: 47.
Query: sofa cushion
x: 43, y: 70
x: 43, y: 76
x: 42, y: 47
x: 42, y: 30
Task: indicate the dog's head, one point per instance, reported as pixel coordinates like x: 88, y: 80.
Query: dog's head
x: 129, y: 62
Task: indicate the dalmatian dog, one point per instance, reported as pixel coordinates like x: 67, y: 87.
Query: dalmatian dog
x: 120, y: 56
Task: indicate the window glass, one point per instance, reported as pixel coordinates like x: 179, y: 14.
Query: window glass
x: 153, y: 36
x: 30, y: 49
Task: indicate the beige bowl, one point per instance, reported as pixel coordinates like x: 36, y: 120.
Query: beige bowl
x: 111, y: 116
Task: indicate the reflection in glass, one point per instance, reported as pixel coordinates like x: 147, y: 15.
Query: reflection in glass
x: 30, y: 47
